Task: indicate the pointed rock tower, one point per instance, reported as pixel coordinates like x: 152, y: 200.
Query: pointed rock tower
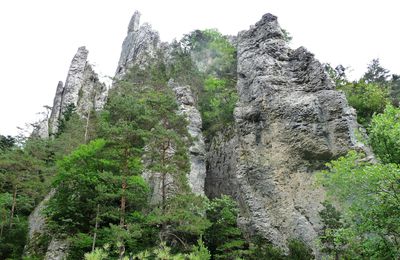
x: 289, y: 121
x: 82, y: 88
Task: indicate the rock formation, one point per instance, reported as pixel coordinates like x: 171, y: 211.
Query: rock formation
x: 139, y: 46
x: 82, y: 88
x: 289, y: 120
x: 187, y: 107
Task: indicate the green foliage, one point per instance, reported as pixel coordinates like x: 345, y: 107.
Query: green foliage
x: 384, y: 133
x: 212, y: 51
x: 97, y: 254
x: 224, y: 239
x: 331, y: 221
x: 217, y: 104
x: 13, y: 239
x: 299, y: 250
x: 369, y: 196
x: 65, y: 117
x: 181, y: 220
x: 286, y: 36
x: 366, y: 98
x: 262, y: 249
x: 376, y: 73
x: 395, y: 90
x: 6, y: 142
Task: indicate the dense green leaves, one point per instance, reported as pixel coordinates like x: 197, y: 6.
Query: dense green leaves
x: 224, y: 239
x: 384, y: 135
x: 366, y: 98
x: 368, y: 194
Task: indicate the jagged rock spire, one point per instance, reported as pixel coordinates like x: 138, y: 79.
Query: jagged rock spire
x: 139, y: 46
x: 74, y: 79
x: 134, y: 23
x: 82, y: 88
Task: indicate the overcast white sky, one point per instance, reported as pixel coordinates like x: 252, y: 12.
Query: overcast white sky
x: 39, y: 38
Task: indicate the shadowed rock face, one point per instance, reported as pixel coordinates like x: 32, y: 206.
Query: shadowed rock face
x: 289, y: 120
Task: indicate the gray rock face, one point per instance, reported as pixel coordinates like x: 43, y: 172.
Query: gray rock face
x: 82, y: 88
x: 37, y: 228
x: 74, y: 80
x: 140, y: 44
x: 41, y: 129
x: 187, y: 107
x: 55, y: 111
x: 57, y: 250
x: 289, y: 120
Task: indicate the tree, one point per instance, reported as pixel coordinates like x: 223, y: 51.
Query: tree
x: 395, y: 89
x: 376, y: 74
x: 224, y: 239
x: 6, y: 142
x: 331, y: 221
x: 65, y: 117
x: 217, y: 104
x: 20, y: 189
x: 366, y: 98
x: 384, y: 134
x: 370, y: 203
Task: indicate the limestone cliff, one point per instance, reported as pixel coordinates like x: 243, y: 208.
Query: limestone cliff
x: 289, y: 120
x: 139, y: 46
x: 197, y: 153
x: 82, y: 88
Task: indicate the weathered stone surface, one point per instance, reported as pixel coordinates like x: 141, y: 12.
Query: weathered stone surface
x: 37, y: 229
x: 74, y: 80
x: 57, y: 250
x: 82, y: 88
x: 289, y: 120
x: 140, y: 44
x: 55, y: 111
x: 41, y: 129
x: 187, y: 107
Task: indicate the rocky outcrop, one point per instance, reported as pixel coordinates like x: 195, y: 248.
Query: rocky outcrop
x: 139, y: 46
x: 187, y: 107
x: 289, y: 120
x: 55, y: 111
x: 82, y: 88
x: 57, y: 250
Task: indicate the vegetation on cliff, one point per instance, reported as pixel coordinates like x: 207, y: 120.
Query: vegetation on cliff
x: 101, y: 167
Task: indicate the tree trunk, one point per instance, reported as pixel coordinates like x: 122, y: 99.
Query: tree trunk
x: 95, y: 227
x: 14, y: 203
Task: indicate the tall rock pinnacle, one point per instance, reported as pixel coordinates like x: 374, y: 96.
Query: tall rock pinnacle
x: 74, y: 79
x: 134, y: 23
x: 82, y: 88
x: 139, y: 46
x: 289, y: 121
